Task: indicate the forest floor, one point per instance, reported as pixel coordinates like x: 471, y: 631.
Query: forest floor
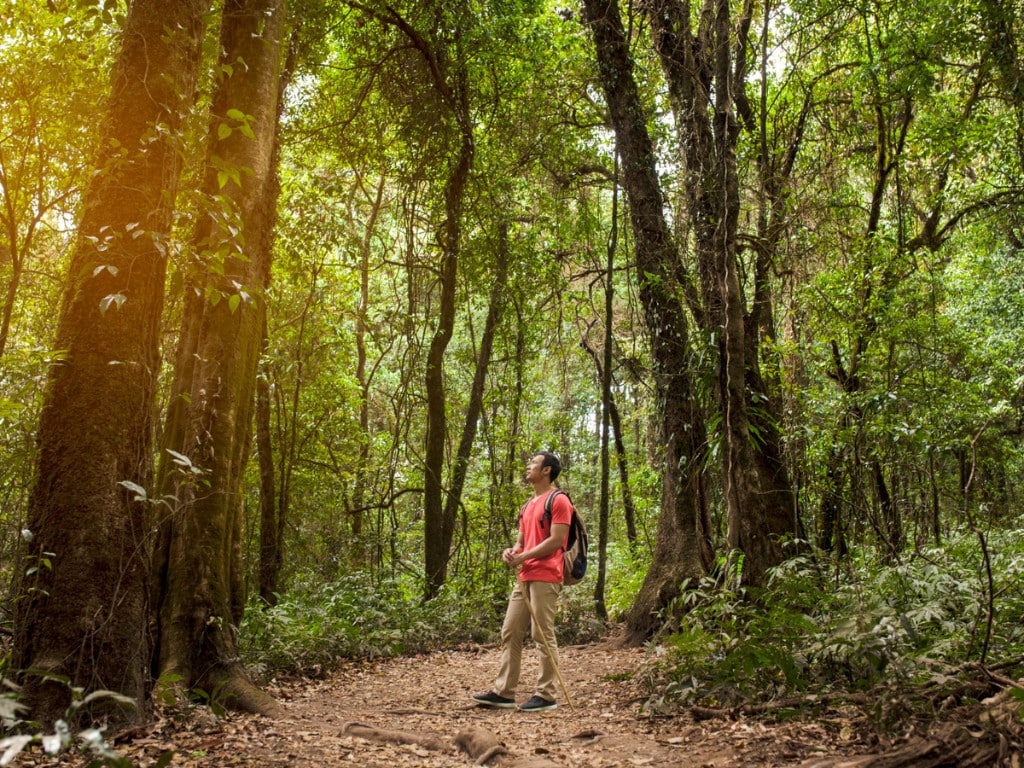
x: 407, y: 712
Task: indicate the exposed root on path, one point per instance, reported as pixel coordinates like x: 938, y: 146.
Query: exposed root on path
x: 244, y: 696
x: 386, y: 736
x: 997, y: 739
x: 480, y: 744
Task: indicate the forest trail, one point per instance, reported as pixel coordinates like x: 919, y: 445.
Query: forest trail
x: 338, y: 721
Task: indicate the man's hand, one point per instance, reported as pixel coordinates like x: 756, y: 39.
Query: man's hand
x: 515, y: 558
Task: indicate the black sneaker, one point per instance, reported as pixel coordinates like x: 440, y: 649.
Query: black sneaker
x: 491, y: 699
x: 537, y: 704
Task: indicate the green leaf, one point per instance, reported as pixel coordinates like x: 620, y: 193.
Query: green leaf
x: 12, y: 746
x: 223, y: 131
x: 138, y: 490
x: 115, y: 299
x: 180, y: 459
x: 114, y: 696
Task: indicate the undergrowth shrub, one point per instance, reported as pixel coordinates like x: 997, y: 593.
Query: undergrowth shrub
x: 627, y: 568
x: 577, y: 623
x: 66, y: 738
x: 855, y: 626
x: 311, y: 630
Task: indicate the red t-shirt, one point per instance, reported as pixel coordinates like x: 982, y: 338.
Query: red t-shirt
x: 536, y: 529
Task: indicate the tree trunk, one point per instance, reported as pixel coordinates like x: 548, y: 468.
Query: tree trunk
x: 701, y: 70
x: 82, y: 613
x: 621, y: 455
x: 453, y: 93
x: 271, y: 546
x: 17, y: 254
x: 476, y: 393
x: 775, y: 171
x: 891, y: 529
x: 207, y: 434
x: 363, y: 461
x: 677, y: 555
x: 604, y: 371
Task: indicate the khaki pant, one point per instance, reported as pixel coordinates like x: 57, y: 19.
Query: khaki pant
x: 544, y: 599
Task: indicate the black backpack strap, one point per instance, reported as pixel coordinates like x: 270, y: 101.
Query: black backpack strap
x: 549, y: 502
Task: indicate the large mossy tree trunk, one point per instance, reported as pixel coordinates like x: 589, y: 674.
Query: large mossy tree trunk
x: 678, y: 547
x: 706, y: 74
x: 83, y: 605
x: 199, y: 589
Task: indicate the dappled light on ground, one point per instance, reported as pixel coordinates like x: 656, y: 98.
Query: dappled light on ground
x: 409, y: 711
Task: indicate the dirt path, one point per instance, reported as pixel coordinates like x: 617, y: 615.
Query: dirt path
x: 429, y: 696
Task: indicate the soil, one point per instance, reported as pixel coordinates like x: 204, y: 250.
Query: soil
x: 408, y: 711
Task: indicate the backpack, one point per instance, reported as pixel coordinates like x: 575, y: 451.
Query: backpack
x: 574, y: 555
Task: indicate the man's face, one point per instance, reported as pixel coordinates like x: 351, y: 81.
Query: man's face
x: 535, y: 470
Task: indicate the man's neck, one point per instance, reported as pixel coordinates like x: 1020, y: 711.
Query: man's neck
x: 542, y: 487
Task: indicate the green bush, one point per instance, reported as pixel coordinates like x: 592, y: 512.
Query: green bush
x: 862, y: 624
x: 577, y: 623
x: 310, y: 630
x: 627, y: 569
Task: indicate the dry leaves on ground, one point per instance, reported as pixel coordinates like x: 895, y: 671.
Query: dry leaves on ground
x: 409, y: 711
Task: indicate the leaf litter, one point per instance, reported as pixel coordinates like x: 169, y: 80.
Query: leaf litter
x: 407, y: 712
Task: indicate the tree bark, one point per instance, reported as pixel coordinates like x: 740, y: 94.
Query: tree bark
x: 702, y: 70
x: 677, y: 555
x: 604, y: 371
x: 361, y: 475
x: 82, y: 613
x: 475, y: 405
x: 449, y: 80
x: 271, y: 545
x: 17, y: 251
x: 207, y: 434
x: 621, y: 455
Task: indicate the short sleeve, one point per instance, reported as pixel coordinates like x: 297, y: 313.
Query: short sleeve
x: 561, y: 510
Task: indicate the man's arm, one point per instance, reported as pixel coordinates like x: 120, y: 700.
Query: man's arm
x: 515, y: 557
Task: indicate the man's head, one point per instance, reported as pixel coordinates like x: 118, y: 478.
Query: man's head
x: 550, y: 460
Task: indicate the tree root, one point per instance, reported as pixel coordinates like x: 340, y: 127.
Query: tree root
x: 997, y: 740
x: 385, y: 736
x: 711, y: 713
x: 480, y: 744
x: 231, y: 687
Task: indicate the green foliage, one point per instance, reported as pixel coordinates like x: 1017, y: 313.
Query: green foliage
x: 64, y: 739
x: 626, y: 571
x: 311, y: 630
x: 861, y: 627
x: 576, y: 622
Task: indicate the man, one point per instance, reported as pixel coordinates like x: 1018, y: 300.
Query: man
x: 537, y: 555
